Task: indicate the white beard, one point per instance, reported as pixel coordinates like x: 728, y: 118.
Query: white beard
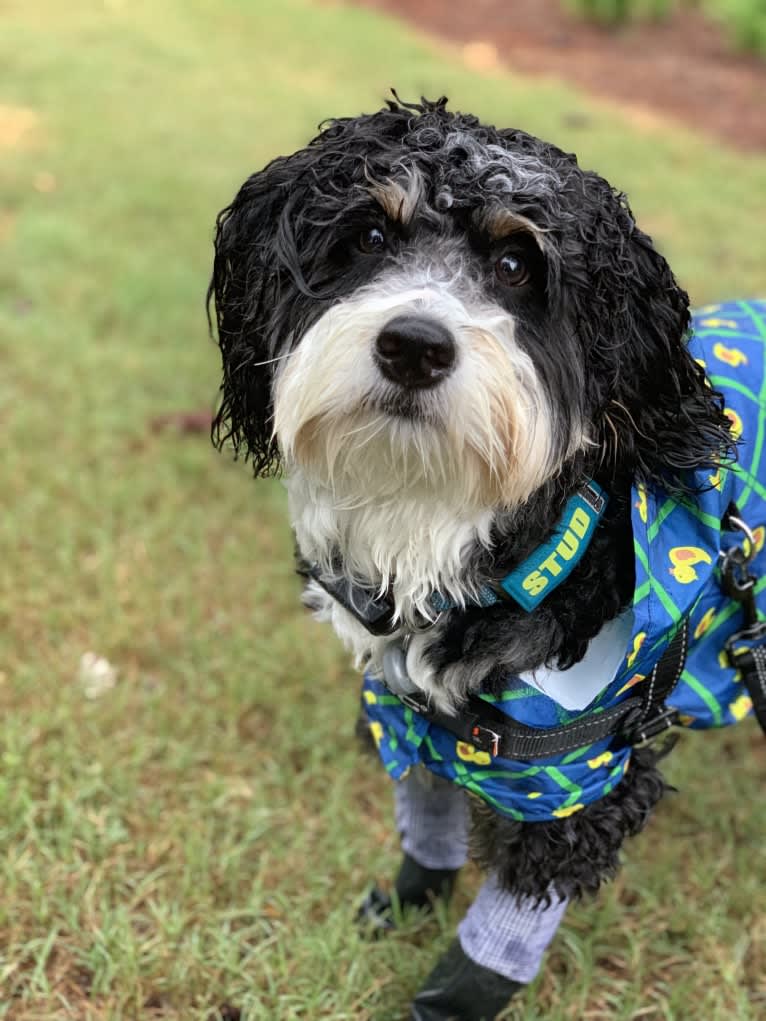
x: 409, y: 548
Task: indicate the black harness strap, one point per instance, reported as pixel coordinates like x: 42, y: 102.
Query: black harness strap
x: 752, y: 664
x: 745, y: 648
x: 638, y: 719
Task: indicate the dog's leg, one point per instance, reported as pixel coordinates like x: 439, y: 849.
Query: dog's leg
x: 432, y: 818
x: 507, y: 934
x: 499, y: 948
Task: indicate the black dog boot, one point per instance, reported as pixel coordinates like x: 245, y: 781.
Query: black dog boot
x: 415, y: 886
x: 458, y: 989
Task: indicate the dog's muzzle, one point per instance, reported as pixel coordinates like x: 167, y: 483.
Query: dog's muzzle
x: 416, y: 352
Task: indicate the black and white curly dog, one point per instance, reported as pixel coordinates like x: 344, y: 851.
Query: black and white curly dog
x: 438, y: 331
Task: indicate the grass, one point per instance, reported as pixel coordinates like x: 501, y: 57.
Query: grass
x: 198, y: 835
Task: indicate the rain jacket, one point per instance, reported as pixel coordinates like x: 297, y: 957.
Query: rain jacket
x: 677, y: 545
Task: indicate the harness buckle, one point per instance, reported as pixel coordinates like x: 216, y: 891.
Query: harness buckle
x: 419, y: 702
x: 485, y: 739
x: 646, y: 730
x: 740, y: 657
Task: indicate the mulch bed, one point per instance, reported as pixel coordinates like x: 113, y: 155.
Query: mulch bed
x: 683, y: 68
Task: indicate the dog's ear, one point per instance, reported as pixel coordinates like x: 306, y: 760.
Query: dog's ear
x: 654, y: 412
x: 277, y: 266
x: 257, y: 277
x: 243, y: 288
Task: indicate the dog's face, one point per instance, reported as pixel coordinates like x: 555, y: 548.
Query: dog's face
x: 432, y: 366
x: 420, y: 303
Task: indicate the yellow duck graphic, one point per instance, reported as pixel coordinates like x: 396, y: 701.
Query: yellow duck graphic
x: 740, y: 707
x: 683, y: 559
x: 376, y: 729
x: 717, y: 324
x: 638, y: 641
x: 759, y: 534
x: 468, y: 753
x: 704, y: 623
x: 729, y: 355
x: 562, y: 813
x: 736, y: 422
x: 641, y: 506
x: 600, y: 760
x: 635, y: 679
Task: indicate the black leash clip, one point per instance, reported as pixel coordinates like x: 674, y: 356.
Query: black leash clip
x: 737, y: 580
x: 744, y: 649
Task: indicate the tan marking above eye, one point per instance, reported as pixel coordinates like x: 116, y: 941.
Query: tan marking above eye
x: 500, y: 223
x: 399, y: 199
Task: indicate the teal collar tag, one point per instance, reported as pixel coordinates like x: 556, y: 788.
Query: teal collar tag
x: 553, y: 562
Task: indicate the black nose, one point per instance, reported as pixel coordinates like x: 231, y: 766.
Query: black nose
x: 415, y: 351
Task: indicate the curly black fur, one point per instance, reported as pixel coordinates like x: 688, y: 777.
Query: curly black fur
x: 491, y: 643
x: 282, y: 255
x: 573, y: 856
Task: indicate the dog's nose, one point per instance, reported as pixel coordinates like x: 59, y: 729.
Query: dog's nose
x: 415, y: 351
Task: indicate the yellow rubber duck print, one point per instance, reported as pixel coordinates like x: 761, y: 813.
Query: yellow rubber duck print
x: 600, y: 760
x: 736, y: 422
x: 376, y: 729
x: 729, y: 355
x: 715, y: 480
x: 759, y: 534
x: 717, y: 324
x: 635, y: 679
x: 683, y: 559
x: 740, y: 707
x: 709, y: 310
x: 641, y: 505
x: 638, y: 641
x: 370, y: 697
x: 705, y: 623
x: 468, y: 753
x: 563, y: 813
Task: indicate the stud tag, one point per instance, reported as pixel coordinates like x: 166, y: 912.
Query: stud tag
x: 553, y: 562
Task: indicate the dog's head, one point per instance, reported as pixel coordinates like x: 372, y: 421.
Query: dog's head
x: 419, y: 300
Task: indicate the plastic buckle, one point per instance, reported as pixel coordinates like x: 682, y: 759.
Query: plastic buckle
x: 755, y: 634
x: 419, y: 703
x: 490, y: 742
x: 648, y: 729
x: 374, y: 611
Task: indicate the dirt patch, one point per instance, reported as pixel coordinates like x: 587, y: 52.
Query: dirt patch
x: 683, y: 68
x: 16, y: 125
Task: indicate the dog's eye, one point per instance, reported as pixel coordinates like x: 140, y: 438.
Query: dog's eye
x: 372, y: 241
x: 511, y: 270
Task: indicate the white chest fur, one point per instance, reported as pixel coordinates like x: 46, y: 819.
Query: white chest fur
x: 411, y: 547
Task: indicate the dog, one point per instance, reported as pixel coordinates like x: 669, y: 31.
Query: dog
x: 513, y: 484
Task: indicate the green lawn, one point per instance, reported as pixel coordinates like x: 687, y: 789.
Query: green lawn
x: 198, y: 835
